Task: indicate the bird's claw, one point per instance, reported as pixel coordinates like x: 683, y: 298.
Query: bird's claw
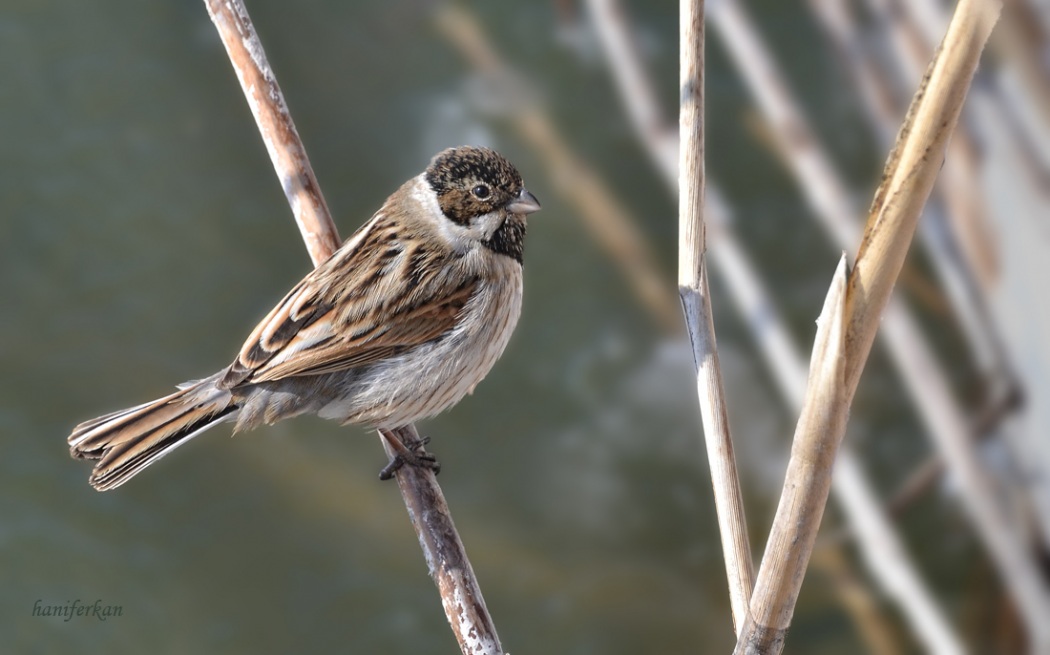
x: 406, y: 453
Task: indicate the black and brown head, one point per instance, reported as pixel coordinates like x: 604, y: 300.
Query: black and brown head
x: 472, y: 181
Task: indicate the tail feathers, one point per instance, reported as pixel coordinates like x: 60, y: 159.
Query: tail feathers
x: 128, y: 441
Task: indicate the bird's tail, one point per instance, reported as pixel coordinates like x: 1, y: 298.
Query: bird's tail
x: 128, y: 441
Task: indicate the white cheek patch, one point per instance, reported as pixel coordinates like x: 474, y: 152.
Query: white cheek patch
x: 459, y: 237
x: 453, y: 234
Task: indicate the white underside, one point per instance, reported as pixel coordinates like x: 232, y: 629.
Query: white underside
x: 433, y: 377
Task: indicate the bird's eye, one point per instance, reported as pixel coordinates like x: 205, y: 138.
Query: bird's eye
x: 481, y: 192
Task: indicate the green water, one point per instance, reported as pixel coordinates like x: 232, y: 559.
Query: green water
x: 143, y: 234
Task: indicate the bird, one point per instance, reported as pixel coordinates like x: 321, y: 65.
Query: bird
x: 398, y: 325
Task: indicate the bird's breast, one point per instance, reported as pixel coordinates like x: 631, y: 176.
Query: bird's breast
x: 432, y: 377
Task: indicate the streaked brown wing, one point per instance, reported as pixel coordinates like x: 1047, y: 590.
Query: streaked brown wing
x: 380, y: 298
x: 368, y: 339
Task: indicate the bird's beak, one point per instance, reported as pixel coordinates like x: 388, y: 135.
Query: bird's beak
x: 525, y: 203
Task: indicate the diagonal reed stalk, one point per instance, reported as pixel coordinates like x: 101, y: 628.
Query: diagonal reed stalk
x: 846, y: 334
x: 444, y: 552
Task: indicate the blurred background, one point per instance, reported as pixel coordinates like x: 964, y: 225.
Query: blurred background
x: 144, y: 234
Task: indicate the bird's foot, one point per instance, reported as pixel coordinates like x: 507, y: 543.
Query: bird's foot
x: 410, y: 453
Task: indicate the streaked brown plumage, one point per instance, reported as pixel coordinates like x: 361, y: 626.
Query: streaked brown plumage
x: 398, y: 325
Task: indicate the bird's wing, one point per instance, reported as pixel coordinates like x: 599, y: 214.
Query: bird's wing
x: 379, y: 295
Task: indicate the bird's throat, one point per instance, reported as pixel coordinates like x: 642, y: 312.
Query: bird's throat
x: 509, y: 238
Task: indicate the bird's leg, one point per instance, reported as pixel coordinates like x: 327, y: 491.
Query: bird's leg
x: 405, y: 452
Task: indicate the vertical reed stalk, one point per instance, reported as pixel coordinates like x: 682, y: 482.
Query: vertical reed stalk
x: 696, y: 303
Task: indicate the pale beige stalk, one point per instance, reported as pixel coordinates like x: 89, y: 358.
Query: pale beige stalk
x: 696, y: 303
x: 910, y: 172
x: 808, y: 481
x: 882, y: 548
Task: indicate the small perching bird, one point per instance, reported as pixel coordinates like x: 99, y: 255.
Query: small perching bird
x: 396, y: 326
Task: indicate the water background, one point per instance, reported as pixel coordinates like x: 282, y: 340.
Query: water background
x: 143, y: 233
